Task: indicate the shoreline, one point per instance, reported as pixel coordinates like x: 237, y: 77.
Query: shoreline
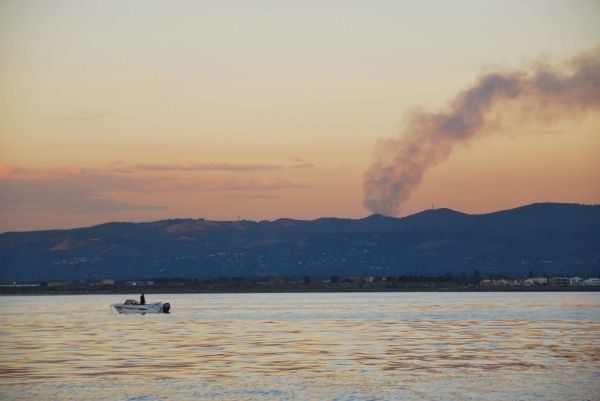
x: 275, y: 289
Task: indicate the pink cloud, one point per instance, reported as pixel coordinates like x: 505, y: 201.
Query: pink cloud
x: 76, y: 190
x: 296, y: 159
x: 34, y: 191
x: 38, y: 173
x: 6, y: 171
x: 305, y: 165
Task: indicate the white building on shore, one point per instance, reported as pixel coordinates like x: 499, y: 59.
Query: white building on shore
x: 575, y: 281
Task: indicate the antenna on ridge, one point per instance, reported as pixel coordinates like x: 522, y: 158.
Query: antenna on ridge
x: 432, y: 206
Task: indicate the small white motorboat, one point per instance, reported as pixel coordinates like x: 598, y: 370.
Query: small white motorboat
x: 133, y: 306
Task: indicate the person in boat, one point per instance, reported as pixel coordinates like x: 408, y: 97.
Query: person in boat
x: 142, y: 300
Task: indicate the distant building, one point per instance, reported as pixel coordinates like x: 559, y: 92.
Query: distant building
x: 277, y: 281
x: 592, y: 281
x: 534, y: 281
x: 494, y: 282
x: 59, y: 283
x: 558, y: 281
x: 106, y: 282
x: 575, y: 281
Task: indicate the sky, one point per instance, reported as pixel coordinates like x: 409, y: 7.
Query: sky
x: 225, y: 110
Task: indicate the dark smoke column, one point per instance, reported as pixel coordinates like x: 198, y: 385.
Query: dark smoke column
x: 543, y: 96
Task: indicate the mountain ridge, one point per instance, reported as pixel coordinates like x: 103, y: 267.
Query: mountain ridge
x: 430, y: 242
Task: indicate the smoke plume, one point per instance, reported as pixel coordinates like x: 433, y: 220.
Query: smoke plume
x: 507, y: 101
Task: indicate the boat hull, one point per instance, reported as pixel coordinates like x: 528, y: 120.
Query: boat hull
x: 158, y: 307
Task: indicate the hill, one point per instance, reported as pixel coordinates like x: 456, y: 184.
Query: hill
x: 546, y: 238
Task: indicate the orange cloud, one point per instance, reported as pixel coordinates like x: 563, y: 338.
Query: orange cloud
x: 215, y: 183
x: 34, y: 196
x: 296, y: 159
x: 6, y: 171
x: 73, y: 190
x: 251, y: 196
x: 305, y: 165
x: 188, y: 165
x: 37, y: 173
x: 76, y: 190
x: 118, y: 166
x: 102, y: 181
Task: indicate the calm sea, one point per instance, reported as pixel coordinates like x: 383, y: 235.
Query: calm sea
x: 365, y: 346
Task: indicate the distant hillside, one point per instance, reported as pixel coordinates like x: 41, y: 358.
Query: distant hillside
x: 546, y: 238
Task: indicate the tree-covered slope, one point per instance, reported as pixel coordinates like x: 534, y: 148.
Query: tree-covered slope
x: 552, y: 238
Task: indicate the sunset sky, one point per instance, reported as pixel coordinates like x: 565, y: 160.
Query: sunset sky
x: 147, y: 110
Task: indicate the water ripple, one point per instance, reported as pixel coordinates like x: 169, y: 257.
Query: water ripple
x: 304, y: 346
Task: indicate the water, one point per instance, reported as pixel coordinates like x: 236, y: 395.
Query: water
x: 365, y: 346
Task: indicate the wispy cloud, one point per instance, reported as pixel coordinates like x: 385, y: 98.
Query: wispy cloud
x: 29, y: 172
x: 296, y: 159
x: 189, y: 166
x: 251, y: 196
x: 28, y: 189
x: 218, y: 183
x: 118, y: 166
x: 6, y: 171
x: 18, y: 196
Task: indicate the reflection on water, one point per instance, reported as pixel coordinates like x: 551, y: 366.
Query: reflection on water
x: 428, y: 346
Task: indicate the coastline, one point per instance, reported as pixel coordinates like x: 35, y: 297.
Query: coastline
x: 250, y: 288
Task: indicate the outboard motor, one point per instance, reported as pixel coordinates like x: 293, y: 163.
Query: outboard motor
x: 166, y: 308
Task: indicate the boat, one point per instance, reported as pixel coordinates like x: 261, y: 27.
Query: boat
x: 133, y: 306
